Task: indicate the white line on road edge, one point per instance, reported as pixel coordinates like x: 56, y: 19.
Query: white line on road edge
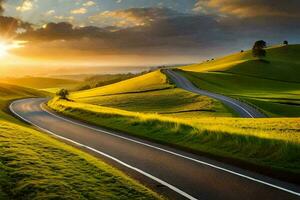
x: 173, y: 153
x: 164, y: 150
x: 110, y: 157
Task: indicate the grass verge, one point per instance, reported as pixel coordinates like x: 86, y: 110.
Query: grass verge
x: 271, y: 144
x: 35, y: 166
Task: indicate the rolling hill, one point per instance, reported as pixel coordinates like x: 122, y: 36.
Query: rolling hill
x: 48, y: 84
x: 152, y: 93
x: 11, y: 92
x: 272, y: 85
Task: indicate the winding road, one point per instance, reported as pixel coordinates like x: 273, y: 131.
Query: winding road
x: 244, y: 110
x: 173, y: 173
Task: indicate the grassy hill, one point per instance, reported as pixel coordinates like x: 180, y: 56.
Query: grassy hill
x: 105, y: 79
x: 34, y: 165
x: 11, y: 92
x: 48, y: 84
x: 152, y: 93
x: 273, y: 86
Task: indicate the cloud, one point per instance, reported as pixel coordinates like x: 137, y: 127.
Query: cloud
x: 1, y: 6
x: 89, y: 3
x: 134, y: 16
x: 25, y: 6
x: 157, y: 31
x: 250, y: 8
x: 50, y: 12
x: 79, y: 11
x: 163, y: 30
x: 9, y: 26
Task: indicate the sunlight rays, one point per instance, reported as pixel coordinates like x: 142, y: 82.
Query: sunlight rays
x: 6, y: 46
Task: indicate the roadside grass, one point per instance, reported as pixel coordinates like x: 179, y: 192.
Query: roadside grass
x: 271, y: 143
x: 152, y: 93
x: 34, y: 165
x: 273, y: 86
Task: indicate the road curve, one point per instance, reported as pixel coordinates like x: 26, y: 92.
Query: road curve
x: 177, y: 174
x: 241, y: 108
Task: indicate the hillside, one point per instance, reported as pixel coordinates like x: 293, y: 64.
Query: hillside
x: 41, y: 82
x: 150, y: 81
x: 273, y: 86
x: 10, y: 92
x: 152, y: 93
x: 105, y: 79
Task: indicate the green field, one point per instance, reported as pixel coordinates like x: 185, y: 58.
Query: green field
x: 152, y: 93
x: 33, y: 165
x: 273, y: 86
x: 43, y: 83
x: 271, y: 143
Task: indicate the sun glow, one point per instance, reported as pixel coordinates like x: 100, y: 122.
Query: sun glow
x: 6, y: 46
x: 3, y: 49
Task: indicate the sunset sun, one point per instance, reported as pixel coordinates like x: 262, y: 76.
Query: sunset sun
x: 3, y: 49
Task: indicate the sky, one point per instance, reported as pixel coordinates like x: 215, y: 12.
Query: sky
x: 141, y: 32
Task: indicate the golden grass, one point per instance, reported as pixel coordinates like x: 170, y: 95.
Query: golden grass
x: 151, y: 81
x: 286, y: 129
x: 263, y: 142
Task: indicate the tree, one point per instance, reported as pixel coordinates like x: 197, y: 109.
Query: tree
x: 260, y: 44
x: 258, y: 49
x: 285, y: 42
x: 63, y: 93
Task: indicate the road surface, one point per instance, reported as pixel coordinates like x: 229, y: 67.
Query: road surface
x: 244, y: 110
x: 176, y: 174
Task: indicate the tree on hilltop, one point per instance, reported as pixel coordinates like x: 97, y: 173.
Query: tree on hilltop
x: 258, y: 49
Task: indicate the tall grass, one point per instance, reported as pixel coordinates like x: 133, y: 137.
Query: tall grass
x: 265, y: 142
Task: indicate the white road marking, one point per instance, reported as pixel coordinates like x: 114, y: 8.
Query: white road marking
x: 175, y: 189
x: 161, y: 149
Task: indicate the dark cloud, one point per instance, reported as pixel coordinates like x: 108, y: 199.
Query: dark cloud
x: 134, y: 16
x: 163, y: 31
x: 9, y: 26
x: 1, y: 6
x: 251, y: 8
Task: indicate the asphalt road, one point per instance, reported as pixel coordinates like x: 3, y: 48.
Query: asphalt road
x: 177, y: 174
x: 244, y: 110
